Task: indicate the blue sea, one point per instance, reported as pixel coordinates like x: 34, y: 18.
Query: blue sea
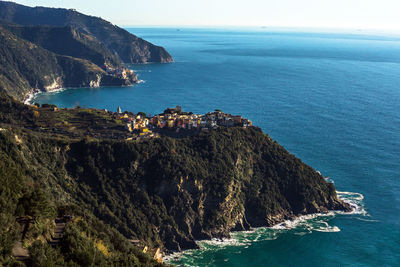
x: 332, y: 99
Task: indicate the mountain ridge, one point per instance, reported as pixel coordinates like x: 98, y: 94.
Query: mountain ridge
x: 26, y: 67
x: 61, y: 48
x: 129, y: 48
x: 66, y: 41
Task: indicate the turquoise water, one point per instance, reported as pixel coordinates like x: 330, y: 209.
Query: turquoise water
x: 331, y: 99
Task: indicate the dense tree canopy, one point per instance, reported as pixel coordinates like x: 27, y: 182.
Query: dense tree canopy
x: 162, y: 192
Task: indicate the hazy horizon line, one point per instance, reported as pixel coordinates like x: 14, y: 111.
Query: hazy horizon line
x: 261, y: 27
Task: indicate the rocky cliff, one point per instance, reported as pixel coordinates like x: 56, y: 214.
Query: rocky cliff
x: 43, y: 49
x: 26, y: 67
x: 128, y: 47
x: 172, y: 192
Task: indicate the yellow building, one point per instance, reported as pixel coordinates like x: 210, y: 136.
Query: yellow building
x: 171, y: 123
x: 158, y: 255
x: 128, y: 126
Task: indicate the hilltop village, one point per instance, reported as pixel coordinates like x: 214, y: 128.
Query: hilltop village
x: 175, y: 122
x: 81, y: 122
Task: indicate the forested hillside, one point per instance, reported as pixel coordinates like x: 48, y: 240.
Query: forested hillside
x: 25, y: 67
x: 162, y: 192
x: 128, y: 47
x: 44, y: 49
x: 67, y: 41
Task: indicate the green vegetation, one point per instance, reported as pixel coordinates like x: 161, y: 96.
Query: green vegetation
x: 24, y: 65
x: 42, y: 49
x: 128, y: 47
x: 74, y: 123
x: 67, y: 41
x: 27, y: 213
x: 163, y: 192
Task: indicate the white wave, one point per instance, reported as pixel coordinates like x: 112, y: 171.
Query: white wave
x: 177, y: 255
x: 366, y: 220
x: 55, y: 91
x: 303, y: 233
x: 141, y: 81
x: 31, y: 97
x: 299, y: 221
x: 354, y: 195
x: 255, y: 235
x: 330, y: 229
x: 301, y: 226
x: 355, y: 200
x: 28, y: 100
x: 325, y: 227
x: 220, y: 242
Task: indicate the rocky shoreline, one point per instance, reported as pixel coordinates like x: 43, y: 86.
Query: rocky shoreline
x: 288, y: 223
x: 28, y: 98
x: 86, y: 56
x: 277, y: 222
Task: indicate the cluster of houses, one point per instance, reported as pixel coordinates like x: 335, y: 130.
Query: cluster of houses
x: 118, y: 72
x: 137, y: 123
x: 176, y: 120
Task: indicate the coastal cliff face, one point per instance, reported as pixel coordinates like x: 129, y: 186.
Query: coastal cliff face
x: 44, y: 49
x: 26, y: 67
x: 199, y: 187
x: 128, y: 47
x: 169, y: 193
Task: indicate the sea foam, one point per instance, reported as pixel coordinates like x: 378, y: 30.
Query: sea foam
x: 302, y: 225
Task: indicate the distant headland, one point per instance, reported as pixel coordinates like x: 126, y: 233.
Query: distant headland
x: 44, y: 49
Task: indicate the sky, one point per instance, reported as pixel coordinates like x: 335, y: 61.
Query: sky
x: 346, y: 14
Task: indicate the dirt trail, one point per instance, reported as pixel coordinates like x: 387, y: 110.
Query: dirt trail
x: 58, y: 232
x: 19, y: 252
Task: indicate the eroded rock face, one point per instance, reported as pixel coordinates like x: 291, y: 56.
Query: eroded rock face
x: 56, y: 84
x: 95, y: 83
x: 204, y: 186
